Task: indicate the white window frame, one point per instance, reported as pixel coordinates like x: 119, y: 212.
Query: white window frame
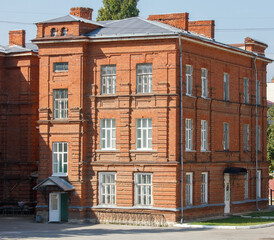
x: 246, y: 137
x: 258, y: 184
x: 144, y: 134
x: 189, y: 79
x: 204, y: 135
x: 144, y: 78
x: 204, y: 188
x: 108, y: 79
x: 189, y: 189
x: 189, y: 135
x: 226, y: 87
x: 246, y: 185
x: 258, y: 138
x: 60, y: 103
x: 60, y: 159
x: 107, y: 188
x: 108, y: 134
x: 143, y: 189
x: 258, y: 92
x: 226, y: 136
x: 246, y: 90
x: 204, y: 82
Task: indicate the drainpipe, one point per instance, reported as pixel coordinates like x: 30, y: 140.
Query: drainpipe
x: 256, y: 115
x: 181, y: 128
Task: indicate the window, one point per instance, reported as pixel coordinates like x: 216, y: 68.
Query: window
x: 189, y: 188
x: 226, y: 136
x: 60, y: 159
x: 108, y: 134
x: 144, y: 133
x: 246, y: 185
x: 258, y: 183
x: 258, y: 97
x: 188, y: 134
x: 204, y: 83
x: 204, y: 188
x: 108, y: 79
x: 60, y: 103
x: 258, y: 138
x: 203, y: 135
x: 226, y: 87
x: 107, y: 188
x: 60, y: 66
x: 188, y: 79
x: 144, y: 78
x: 143, y: 189
x: 53, y: 32
x: 246, y: 137
x: 246, y: 90
x: 63, y: 32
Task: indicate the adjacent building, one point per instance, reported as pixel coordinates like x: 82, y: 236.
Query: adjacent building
x: 148, y: 120
x: 19, y: 136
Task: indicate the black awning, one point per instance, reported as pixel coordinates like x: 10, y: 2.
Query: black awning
x: 55, y: 181
x: 235, y: 170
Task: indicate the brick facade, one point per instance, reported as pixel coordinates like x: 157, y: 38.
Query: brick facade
x: 81, y: 130
x: 19, y: 71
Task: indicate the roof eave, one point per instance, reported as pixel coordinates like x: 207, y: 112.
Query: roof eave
x: 185, y: 36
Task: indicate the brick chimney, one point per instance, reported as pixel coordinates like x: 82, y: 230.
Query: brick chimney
x: 82, y: 12
x: 255, y: 46
x: 178, y: 20
x: 17, y: 37
x: 206, y: 28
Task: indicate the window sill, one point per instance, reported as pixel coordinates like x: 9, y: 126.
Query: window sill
x: 206, y: 98
x: 143, y: 150
x: 142, y: 206
x: 107, y: 95
x: 59, y: 175
x: 106, y: 206
x: 205, y: 151
x: 189, y: 95
x: 107, y: 150
x: 190, y: 150
x: 60, y: 71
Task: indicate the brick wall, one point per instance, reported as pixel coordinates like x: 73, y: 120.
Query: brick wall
x: 87, y: 106
x: 19, y: 134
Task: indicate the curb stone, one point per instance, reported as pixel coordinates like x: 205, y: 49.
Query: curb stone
x: 186, y: 225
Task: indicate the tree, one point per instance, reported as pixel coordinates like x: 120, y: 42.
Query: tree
x: 270, y: 139
x: 118, y: 9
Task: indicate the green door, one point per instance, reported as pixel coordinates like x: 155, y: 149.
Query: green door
x: 64, y: 206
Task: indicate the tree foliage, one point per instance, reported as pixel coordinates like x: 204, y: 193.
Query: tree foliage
x: 270, y: 139
x: 118, y: 9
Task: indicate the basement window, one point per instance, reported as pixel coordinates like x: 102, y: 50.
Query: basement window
x: 60, y: 66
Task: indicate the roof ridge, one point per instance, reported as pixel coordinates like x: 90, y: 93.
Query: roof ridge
x: 163, y: 25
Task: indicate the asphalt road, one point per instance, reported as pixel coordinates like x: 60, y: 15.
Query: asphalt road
x: 26, y: 228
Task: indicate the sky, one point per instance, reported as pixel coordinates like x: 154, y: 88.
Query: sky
x: 234, y: 20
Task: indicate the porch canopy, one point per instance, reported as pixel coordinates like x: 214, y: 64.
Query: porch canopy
x: 235, y: 170
x: 55, y: 181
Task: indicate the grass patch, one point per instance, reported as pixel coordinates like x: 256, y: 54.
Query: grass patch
x: 261, y: 214
x: 234, y: 221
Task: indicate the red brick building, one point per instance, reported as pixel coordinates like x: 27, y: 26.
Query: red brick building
x: 110, y: 109
x: 19, y: 136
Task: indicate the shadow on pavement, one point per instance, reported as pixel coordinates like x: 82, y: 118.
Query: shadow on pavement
x: 25, y: 227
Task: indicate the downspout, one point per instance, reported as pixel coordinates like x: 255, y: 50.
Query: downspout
x: 181, y: 128
x: 256, y: 115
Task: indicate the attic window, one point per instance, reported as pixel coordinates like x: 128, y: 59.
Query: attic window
x: 53, y: 32
x: 63, y: 32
